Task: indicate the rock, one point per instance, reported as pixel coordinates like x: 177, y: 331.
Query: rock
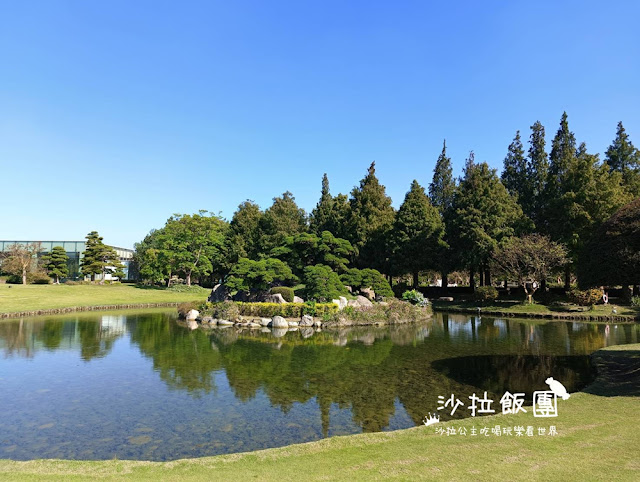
x: 219, y: 293
x: 279, y: 322
x: 307, y: 320
x: 254, y: 325
x: 279, y: 332
x: 317, y: 324
x: 192, y: 315
x: 341, y: 302
x: 293, y: 323
x: 225, y: 323
x: 265, y: 321
x: 446, y: 298
x: 265, y: 330
x: 368, y: 293
x: 207, y: 320
x: 349, y: 289
x: 364, y: 302
x: 277, y: 298
x: 192, y: 324
x: 353, y: 303
x: 297, y: 299
x: 293, y: 328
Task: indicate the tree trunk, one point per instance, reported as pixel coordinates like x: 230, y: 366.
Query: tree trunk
x: 57, y: 279
x: 415, y: 280
x: 481, y: 273
x: 567, y: 278
x: 445, y: 282
x: 93, y: 276
x: 626, y: 293
x: 487, y: 277
x: 472, y: 281
x: 636, y: 290
x: 24, y: 276
x: 189, y: 279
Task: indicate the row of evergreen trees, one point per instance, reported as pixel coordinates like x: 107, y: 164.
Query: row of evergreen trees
x: 458, y: 224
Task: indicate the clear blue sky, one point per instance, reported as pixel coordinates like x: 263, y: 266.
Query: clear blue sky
x: 116, y: 114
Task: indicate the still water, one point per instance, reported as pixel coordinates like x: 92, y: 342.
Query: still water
x: 139, y: 385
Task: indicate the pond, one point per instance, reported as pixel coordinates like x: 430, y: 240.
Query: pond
x: 139, y: 385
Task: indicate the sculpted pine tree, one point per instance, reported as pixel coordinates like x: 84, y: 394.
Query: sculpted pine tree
x: 56, y: 263
x: 417, y: 234
x: 623, y: 157
x: 537, y: 172
x: 98, y: 258
x: 370, y: 222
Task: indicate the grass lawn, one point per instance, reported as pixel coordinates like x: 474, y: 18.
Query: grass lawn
x: 598, y: 438
x: 511, y: 306
x: 15, y: 298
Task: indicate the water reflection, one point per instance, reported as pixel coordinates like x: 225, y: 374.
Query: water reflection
x: 146, y: 387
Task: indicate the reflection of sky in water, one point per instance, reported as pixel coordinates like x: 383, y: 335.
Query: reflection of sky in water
x: 140, y: 386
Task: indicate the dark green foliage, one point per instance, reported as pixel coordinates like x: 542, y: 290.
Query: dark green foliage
x: 623, y: 157
x: 322, y: 283
x: 307, y: 249
x: 331, y: 213
x: 230, y: 310
x: 587, y: 297
x: 245, y: 231
x: 56, y: 263
x: 359, y: 279
x: 286, y: 292
x: 418, y: 233
x: 612, y: 256
x: 259, y: 276
x: 284, y: 218
x: 537, y: 172
x: 485, y: 293
x: 39, y: 278
x: 443, y: 186
x: 98, y: 258
x: 415, y: 298
x: 515, y: 176
x: 371, y: 221
x: 485, y: 214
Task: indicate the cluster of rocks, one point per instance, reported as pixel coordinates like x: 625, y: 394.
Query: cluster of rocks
x: 193, y: 318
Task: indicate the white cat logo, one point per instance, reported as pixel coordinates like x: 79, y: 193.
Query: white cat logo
x: 431, y: 419
x: 557, y: 388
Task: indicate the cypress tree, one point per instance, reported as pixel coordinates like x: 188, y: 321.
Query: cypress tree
x: 537, y: 172
x: 245, y: 231
x: 56, y: 263
x: 514, y: 174
x: 284, y: 218
x: 622, y: 156
x: 370, y: 222
x: 417, y: 233
x: 442, y: 186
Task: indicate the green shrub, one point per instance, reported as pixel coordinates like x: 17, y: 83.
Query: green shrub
x: 635, y: 301
x: 187, y: 289
x: 39, y: 278
x: 415, y: 298
x: 72, y: 283
x: 286, y: 292
x: 586, y: 297
x: 367, y: 278
x: 322, y: 283
x: 485, y: 293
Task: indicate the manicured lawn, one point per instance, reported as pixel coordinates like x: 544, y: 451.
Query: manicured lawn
x: 510, y: 306
x: 14, y: 298
x: 598, y: 438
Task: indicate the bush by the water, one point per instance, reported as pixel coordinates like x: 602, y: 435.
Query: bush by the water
x: 635, y: 301
x: 286, y: 292
x: 392, y: 312
x: 415, y: 298
x: 322, y: 283
x: 586, y: 297
x: 359, y: 279
x: 230, y: 310
x: 485, y: 293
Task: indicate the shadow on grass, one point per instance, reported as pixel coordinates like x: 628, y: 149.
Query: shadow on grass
x: 618, y: 374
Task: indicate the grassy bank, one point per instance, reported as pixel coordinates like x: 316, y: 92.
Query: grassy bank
x: 18, y: 298
x: 597, y: 438
x: 517, y: 308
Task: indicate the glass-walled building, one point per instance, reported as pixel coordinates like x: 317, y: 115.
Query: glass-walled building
x: 74, y: 251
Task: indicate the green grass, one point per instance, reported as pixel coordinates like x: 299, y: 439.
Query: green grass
x: 598, y: 438
x: 512, y: 306
x: 15, y: 298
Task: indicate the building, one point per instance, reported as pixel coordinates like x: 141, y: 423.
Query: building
x: 74, y: 250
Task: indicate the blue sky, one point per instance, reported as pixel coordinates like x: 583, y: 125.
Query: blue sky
x: 116, y: 114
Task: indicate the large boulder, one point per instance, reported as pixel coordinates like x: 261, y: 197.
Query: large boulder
x: 293, y: 324
x: 341, y: 302
x: 279, y: 322
x: 364, y: 302
x: 277, y: 298
x: 219, y: 293
x: 265, y: 321
x: 307, y: 320
x: 368, y: 293
x: 297, y: 299
x: 225, y: 323
x: 192, y: 315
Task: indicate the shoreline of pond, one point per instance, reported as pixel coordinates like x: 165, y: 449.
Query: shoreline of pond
x: 559, y: 316
x: 77, y: 309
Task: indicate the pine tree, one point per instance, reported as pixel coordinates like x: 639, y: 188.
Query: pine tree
x: 284, y: 218
x: 331, y: 213
x: 514, y: 175
x: 56, y: 263
x: 537, y: 172
x: 370, y: 222
x: 485, y: 214
x: 245, y: 231
x: 622, y: 156
x: 442, y: 186
x: 98, y: 258
x: 417, y: 234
